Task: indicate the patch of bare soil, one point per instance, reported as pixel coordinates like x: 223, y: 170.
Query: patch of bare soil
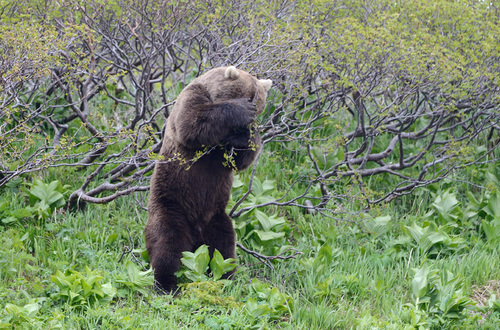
x: 481, y: 294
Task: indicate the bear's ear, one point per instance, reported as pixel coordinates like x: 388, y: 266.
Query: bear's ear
x: 231, y: 73
x: 267, y: 83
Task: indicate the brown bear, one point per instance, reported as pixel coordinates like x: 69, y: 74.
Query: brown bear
x: 210, y: 132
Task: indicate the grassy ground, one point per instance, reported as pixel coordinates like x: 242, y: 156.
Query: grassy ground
x: 429, y: 260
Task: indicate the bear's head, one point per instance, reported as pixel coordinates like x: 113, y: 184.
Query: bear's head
x: 226, y: 83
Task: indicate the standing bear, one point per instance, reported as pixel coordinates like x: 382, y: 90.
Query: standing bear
x: 210, y: 132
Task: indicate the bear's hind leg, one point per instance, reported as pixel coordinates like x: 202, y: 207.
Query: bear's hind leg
x: 165, y: 280
x: 219, y: 235
x: 165, y: 252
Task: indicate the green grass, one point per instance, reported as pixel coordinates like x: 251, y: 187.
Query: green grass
x: 346, y: 277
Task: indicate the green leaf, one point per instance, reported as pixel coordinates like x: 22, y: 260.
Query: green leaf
x: 325, y: 254
x: 431, y: 238
x: 46, y: 195
x: 219, y: 266
x: 268, y: 222
x: 32, y: 309
x: 188, y: 259
x: 257, y: 187
x: 255, y: 309
x: 237, y: 182
x: 196, y: 263
x: 494, y: 204
x: 268, y: 185
x: 419, y: 282
x: 415, y: 231
x: 111, y: 238
x: 379, y: 226
x: 216, y: 265
x: 445, y: 204
x: 109, y: 291
x: 202, y: 260
x: 9, y: 220
x: 268, y: 235
x: 491, y: 229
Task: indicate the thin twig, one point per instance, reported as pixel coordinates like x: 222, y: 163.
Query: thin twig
x: 267, y: 259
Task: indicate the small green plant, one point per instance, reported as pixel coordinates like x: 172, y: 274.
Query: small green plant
x: 336, y: 286
x: 379, y: 225
x: 15, y: 260
x: 327, y: 289
x: 320, y: 266
x: 25, y: 316
x: 255, y: 228
x: 447, y: 207
x: 219, y: 266
x: 491, y: 220
x: 9, y: 215
x: 135, y: 280
x: 262, y: 192
x: 46, y: 196
x: 196, y: 265
x: 438, y: 297
x: 267, y: 303
x: 221, y: 322
x: 494, y: 303
x: 76, y: 289
x: 265, y: 233
x: 434, y: 239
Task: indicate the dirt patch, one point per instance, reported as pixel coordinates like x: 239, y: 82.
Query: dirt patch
x: 481, y: 294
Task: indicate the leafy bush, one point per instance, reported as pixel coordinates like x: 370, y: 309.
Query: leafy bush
x: 434, y: 239
x: 255, y: 228
x: 134, y: 280
x: 78, y: 290
x: 196, y: 265
x: 438, y: 297
x: 46, y: 196
x: 26, y: 316
x: 15, y: 260
x: 267, y: 303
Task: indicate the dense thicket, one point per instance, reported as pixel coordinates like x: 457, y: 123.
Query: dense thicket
x: 401, y: 89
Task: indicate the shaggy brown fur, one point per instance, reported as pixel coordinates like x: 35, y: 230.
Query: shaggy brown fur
x: 214, y: 114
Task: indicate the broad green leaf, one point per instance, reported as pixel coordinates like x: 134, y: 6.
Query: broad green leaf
x: 325, y: 254
x: 32, y: 309
x: 237, y: 182
x: 202, y: 260
x: 268, y: 185
x: 494, y: 204
x: 268, y: 222
x: 9, y: 220
x: 380, y: 225
x: 109, y: 291
x: 255, y: 309
x: 188, y: 259
x: 419, y: 282
x: 268, y: 235
x: 111, y: 238
x: 415, y: 231
x: 445, y: 204
x: 216, y: 265
x: 257, y: 187
x: 491, y: 229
